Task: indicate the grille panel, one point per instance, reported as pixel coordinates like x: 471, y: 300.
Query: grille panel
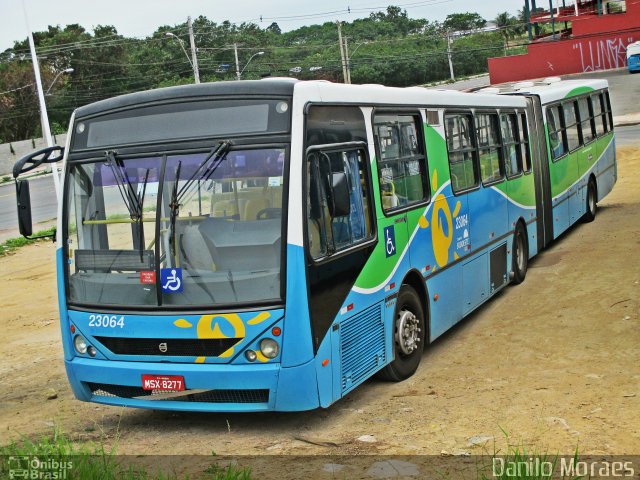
x: 209, y: 396
x: 362, y: 347
x: 175, y: 347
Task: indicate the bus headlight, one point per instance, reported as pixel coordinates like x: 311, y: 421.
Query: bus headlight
x: 269, y: 348
x: 80, y: 344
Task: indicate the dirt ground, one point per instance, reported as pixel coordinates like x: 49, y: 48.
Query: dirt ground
x: 554, y: 362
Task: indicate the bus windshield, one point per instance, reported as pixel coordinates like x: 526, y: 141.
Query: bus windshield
x: 196, y: 230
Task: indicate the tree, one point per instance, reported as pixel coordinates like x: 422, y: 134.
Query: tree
x: 274, y: 28
x: 463, y: 22
x: 508, y: 28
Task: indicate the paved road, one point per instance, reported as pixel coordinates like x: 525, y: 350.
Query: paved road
x: 626, y: 136
x: 43, y: 206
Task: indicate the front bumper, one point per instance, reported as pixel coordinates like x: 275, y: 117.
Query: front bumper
x: 210, y: 387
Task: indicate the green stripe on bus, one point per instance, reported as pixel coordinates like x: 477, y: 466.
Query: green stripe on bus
x: 578, y: 91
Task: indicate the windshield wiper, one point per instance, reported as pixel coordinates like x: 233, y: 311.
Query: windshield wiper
x: 207, y: 169
x: 133, y: 200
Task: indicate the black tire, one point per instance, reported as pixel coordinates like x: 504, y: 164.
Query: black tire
x: 410, y: 313
x: 592, y: 202
x: 520, y: 257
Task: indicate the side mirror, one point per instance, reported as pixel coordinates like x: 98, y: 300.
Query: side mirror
x: 33, y: 160
x: 23, y: 198
x: 340, y: 204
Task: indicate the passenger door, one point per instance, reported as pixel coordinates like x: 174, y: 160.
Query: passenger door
x: 541, y: 160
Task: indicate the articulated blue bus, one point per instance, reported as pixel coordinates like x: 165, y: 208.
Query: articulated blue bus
x: 270, y: 245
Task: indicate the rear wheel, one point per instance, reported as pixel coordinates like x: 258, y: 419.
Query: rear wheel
x: 520, y: 257
x: 408, y: 336
x: 592, y: 203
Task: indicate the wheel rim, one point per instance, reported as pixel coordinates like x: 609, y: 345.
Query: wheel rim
x: 592, y: 201
x: 407, y: 332
x: 520, y: 252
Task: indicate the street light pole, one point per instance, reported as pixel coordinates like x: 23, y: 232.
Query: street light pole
x: 55, y: 79
x: 350, y: 56
x: 247, y: 64
x: 194, y: 66
x: 235, y: 52
x: 44, y: 117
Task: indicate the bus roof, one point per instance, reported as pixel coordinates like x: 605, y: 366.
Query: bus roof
x: 633, y: 49
x: 247, y: 88
x: 378, y: 95
x: 549, y: 89
x: 313, y: 90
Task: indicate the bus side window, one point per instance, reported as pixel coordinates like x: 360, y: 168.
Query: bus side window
x: 557, y: 138
x: 609, y: 110
x: 510, y: 140
x: 571, y: 125
x: 524, y: 142
x: 599, y: 114
x: 330, y: 234
x: 462, y: 152
x: 489, y: 149
x: 586, y: 119
x: 402, y: 168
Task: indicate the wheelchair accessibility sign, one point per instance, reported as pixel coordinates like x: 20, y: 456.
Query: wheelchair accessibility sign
x: 390, y: 241
x: 171, y: 280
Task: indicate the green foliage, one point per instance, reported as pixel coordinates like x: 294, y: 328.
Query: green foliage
x: 91, y: 461
x: 57, y: 129
x: 519, y: 462
x: 509, y: 27
x: 462, y: 22
x: 8, y: 246
x: 387, y: 47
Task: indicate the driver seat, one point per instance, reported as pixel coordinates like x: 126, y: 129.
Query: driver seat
x: 253, y: 207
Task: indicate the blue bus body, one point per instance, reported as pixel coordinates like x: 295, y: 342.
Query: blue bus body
x: 334, y: 315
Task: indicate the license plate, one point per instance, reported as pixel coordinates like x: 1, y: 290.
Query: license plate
x: 171, y: 383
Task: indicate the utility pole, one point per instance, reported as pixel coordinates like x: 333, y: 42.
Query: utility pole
x: 44, y: 118
x: 196, y: 72
x: 342, y: 53
x: 450, y: 56
x: 346, y: 55
x: 235, y: 51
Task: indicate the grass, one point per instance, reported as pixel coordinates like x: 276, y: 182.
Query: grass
x: 521, y: 463
x: 9, y: 246
x: 59, y: 457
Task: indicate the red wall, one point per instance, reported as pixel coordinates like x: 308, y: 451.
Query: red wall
x: 598, y: 43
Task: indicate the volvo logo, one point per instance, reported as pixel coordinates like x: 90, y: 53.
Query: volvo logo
x: 163, y: 347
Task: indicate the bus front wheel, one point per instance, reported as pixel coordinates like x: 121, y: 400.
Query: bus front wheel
x: 520, y: 255
x: 408, y: 336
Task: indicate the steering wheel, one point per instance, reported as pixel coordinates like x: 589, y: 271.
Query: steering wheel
x: 268, y: 213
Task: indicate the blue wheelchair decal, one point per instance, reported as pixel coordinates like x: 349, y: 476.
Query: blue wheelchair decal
x: 390, y: 241
x: 171, y: 280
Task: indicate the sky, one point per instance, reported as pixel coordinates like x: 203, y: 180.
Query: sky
x: 140, y: 18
